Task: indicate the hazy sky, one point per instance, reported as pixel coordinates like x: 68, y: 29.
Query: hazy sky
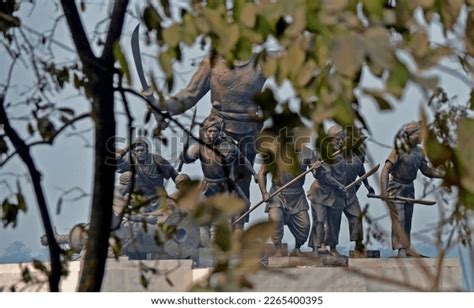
x: 69, y: 163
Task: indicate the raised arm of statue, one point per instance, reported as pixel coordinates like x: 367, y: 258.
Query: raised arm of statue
x: 191, y: 154
x: 194, y: 91
x: 429, y: 171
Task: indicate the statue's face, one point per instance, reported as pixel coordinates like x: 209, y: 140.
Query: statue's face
x: 415, y: 138
x: 339, y: 140
x: 139, y: 152
x: 212, y: 133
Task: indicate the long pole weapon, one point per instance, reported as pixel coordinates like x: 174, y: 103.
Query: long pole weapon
x: 404, y: 199
x: 313, y: 167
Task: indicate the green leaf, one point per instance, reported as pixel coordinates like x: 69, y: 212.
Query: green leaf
x: 189, y: 29
x: 347, y: 54
x: 3, y: 146
x: 398, y: 79
x: 335, y: 6
x: 465, y: 153
x: 166, y: 62
x: 171, y: 35
x: 46, y: 128
x: 306, y: 73
x: 419, y: 44
x: 40, y: 266
x: 425, y: 3
x: 379, y: 48
x: 21, y: 202
x: 30, y: 129
x: 472, y: 100
x: 378, y: 96
x: 243, y: 48
x: 434, y: 56
x: 449, y: 12
x: 120, y: 58
x: 296, y: 57
x: 223, y: 237
x: 151, y: 18
x: 344, y: 115
x: 267, y: 102
x: 67, y: 110
x: 374, y: 9
x: 248, y: 17
x: 144, y: 281
x: 228, y: 39
x: 470, y: 34
x: 26, y: 276
x: 83, y: 6
x: 166, y: 7
x: 252, y: 245
x: 270, y: 67
x: 9, y: 213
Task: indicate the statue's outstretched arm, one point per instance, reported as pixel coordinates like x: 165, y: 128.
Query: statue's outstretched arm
x: 197, y: 87
x: 429, y: 171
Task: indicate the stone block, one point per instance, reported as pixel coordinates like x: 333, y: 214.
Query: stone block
x: 171, y: 275
x: 307, y: 261
x: 269, y: 249
x: 206, y: 258
x: 364, y: 254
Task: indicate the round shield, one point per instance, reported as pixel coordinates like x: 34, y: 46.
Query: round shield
x: 185, y: 239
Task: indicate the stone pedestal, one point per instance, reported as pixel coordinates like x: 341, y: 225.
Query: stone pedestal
x: 293, y: 274
x: 270, y: 249
x: 125, y: 276
x: 374, y: 275
x: 364, y: 254
x: 307, y: 261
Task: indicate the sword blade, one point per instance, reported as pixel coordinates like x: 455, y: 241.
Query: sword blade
x: 137, y: 58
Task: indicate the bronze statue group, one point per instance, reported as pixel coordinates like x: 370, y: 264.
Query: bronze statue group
x: 227, y: 152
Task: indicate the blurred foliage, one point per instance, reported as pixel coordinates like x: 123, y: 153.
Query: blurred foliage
x: 448, y: 144
x: 322, y: 49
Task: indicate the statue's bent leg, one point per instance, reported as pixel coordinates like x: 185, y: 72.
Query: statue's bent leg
x: 353, y: 213
x: 318, y: 233
x: 334, y: 226
x: 299, y: 226
x: 276, y: 215
x: 243, y: 175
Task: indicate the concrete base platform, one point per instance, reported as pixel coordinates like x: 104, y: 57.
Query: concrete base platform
x: 374, y: 275
x: 307, y: 261
x: 364, y: 254
x: 362, y: 275
x: 127, y: 276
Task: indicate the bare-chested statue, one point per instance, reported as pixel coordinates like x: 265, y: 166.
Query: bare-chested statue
x: 397, y: 180
x: 328, y: 195
x: 232, y: 92
x: 289, y: 207
x: 150, y: 171
x: 220, y: 159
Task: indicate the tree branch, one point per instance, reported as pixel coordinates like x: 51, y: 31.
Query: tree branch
x: 24, y: 151
x: 115, y: 29
x: 79, y: 36
x: 51, y: 139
